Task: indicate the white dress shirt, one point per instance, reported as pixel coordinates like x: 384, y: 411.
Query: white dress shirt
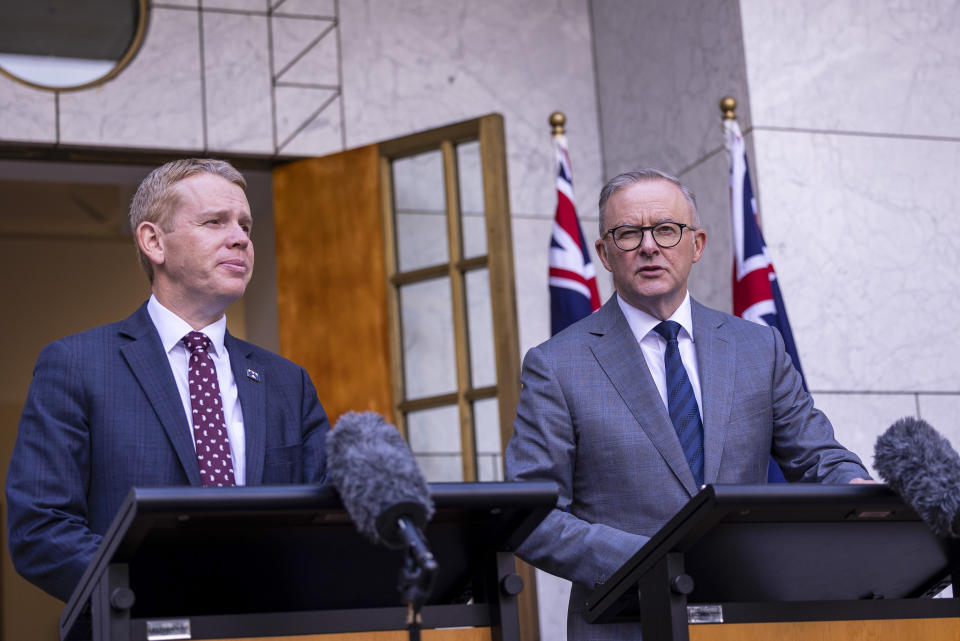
x: 172, y: 329
x: 653, y: 345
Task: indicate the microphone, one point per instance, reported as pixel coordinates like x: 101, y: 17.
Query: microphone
x: 922, y: 467
x: 381, y: 485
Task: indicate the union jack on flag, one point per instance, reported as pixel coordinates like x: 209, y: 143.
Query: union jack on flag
x: 573, y: 281
x: 756, y: 294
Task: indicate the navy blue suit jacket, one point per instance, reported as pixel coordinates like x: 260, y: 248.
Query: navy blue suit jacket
x: 103, y: 414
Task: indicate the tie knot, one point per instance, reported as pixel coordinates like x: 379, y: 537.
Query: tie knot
x: 196, y: 341
x: 668, y: 329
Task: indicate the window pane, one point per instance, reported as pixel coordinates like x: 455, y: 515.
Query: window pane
x: 429, y: 359
x: 421, y: 219
x: 434, y: 437
x: 486, y: 422
x: 483, y: 370
x: 473, y: 228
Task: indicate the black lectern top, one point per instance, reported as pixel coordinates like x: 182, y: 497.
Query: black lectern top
x: 216, y: 551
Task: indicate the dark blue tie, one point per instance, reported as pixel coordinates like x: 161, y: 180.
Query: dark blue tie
x: 681, y: 401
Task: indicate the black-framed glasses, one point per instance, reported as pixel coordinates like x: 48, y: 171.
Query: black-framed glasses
x: 665, y: 235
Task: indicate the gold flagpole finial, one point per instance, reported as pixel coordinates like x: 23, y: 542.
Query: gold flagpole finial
x: 728, y: 106
x: 557, y: 123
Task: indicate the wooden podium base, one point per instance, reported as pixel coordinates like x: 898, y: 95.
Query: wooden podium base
x: 872, y: 630
x: 448, y: 634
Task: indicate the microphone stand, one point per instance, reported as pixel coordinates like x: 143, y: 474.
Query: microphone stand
x: 416, y: 576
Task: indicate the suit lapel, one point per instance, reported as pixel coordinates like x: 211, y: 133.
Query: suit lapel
x: 621, y: 358
x: 150, y: 366
x: 716, y: 364
x: 250, y: 391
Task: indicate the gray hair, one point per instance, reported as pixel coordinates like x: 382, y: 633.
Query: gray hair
x: 155, y: 197
x: 626, y: 179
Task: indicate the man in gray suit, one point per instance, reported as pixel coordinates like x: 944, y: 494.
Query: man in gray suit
x: 633, y: 408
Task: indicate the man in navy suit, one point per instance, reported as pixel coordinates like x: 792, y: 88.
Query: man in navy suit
x: 633, y: 408
x: 111, y: 408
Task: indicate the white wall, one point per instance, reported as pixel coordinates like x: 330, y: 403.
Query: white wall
x: 856, y: 116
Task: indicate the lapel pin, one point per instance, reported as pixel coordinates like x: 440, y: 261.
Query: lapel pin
x: 253, y: 376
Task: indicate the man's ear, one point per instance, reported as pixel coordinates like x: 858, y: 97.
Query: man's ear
x: 602, y: 254
x: 150, y: 241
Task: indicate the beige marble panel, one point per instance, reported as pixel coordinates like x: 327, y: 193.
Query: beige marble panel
x: 308, y: 121
x: 298, y: 56
x: 237, y: 83
x: 710, y: 278
x: 28, y: 114
x: 259, y: 6
x: 860, y: 66
x: 858, y: 419
x: 313, y: 8
x: 553, y: 594
x: 410, y: 65
x: 867, y: 250
x: 942, y: 411
x: 662, y: 68
x: 154, y: 103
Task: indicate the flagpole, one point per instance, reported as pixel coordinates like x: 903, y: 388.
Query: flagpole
x: 558, y: 122
x: 728, y: 105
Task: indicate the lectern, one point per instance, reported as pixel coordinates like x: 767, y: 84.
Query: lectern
x: 783, y: 553
x: 246, y: 562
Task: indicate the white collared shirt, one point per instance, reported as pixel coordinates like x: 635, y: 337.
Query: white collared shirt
x: 653, y: 345
x: 172, y: 329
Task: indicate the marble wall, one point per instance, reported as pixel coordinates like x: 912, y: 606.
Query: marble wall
x: 255, y: 77
x: 856, y: 115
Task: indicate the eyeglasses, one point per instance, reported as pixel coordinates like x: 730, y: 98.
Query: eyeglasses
x: 665, y: 235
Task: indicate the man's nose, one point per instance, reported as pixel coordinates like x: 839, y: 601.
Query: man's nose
x: 648, y: 245
x: 238, y: 236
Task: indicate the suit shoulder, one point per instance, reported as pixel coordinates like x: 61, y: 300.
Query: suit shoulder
x: 92, y: 337
x: 715, y: 317
x: 571, y: 337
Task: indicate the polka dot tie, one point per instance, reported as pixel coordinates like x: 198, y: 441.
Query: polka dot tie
x: 209, y: 426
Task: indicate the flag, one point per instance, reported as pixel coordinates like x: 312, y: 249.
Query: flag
x: 573, y: 281
x: 756, y: 293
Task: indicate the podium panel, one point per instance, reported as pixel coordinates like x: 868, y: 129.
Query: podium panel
x: 888, y: 630
x: 462, y: 634
x: 258, y: 562
x: 813, y: 561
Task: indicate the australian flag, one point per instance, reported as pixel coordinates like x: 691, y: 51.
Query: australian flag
x: 573, y: 282
x: 756, y: 294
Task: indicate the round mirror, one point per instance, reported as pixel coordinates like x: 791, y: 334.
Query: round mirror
x: 69, y: 44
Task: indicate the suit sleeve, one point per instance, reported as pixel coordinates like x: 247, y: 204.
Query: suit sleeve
x: 544, y: 448
x: 314, y: 427
x: 803, y: 439
x: 50, y: 541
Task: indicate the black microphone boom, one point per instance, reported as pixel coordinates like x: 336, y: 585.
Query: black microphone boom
x: 385, y: 493
x: 921, y: 466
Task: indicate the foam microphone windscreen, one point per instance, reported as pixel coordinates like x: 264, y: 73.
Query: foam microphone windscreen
x: 922, y: 467
x: 376, y: 475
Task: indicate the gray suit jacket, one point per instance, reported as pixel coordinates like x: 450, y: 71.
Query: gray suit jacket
x: 591, y: 419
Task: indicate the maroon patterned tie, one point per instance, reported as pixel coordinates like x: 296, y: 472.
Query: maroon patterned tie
x: 209, y: 426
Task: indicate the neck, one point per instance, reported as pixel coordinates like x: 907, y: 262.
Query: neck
x: 196, y: 316
x: 659, y: 308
